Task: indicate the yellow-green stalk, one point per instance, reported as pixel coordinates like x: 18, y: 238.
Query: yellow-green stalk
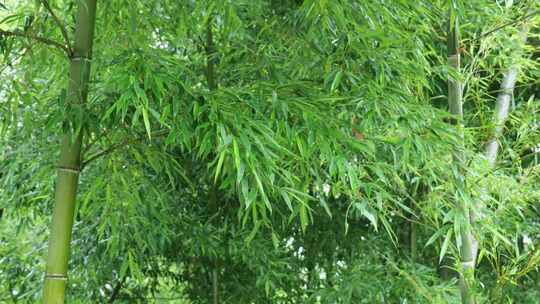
x: 70, y: 159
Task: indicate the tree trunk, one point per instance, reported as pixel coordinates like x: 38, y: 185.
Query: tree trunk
x: 455, y: 103
x: 70, y: 159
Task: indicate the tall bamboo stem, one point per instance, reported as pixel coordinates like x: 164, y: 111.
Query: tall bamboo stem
x: 70, y: 159
x: 212, y: 85
x: 502, y: 110
x: 455, y: 103
x: 502, y: 106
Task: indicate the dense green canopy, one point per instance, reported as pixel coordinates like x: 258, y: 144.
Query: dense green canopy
x: 272, y: 151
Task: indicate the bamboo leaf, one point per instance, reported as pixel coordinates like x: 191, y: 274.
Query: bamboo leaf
x: 261, y: 189
x: 337, y: 80
x: 146, y: 122
x: 445, y: 245
x: 219, y: 164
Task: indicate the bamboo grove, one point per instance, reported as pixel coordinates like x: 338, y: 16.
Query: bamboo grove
x: 250, y: 151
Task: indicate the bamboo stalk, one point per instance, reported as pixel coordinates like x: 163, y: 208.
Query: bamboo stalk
x: 59, y: 23
x: 70, y: 160
x: 502, y: 106
x: 469, y: 248
x: 455, y: 103
x: 502, y: 111
x: 212, y: 86
x: 210, y: 57
x: 215, y: 285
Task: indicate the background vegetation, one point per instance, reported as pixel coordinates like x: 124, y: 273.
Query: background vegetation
x: 273, y: 151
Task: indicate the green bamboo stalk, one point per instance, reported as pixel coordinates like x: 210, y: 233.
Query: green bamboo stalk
x: 70, y: 159
x: 455, y: 103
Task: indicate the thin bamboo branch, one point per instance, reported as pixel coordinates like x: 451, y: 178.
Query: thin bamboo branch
x: 58, y: 22
x: 43, y: 40
x: 212, y: 86
x: 120, y: 145
x: 14, y: 60
x: 90, y: 144
x: 522, y: 19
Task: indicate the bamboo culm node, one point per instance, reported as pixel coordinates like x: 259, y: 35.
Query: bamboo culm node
x: 73, y: 170
x: 56, y: 276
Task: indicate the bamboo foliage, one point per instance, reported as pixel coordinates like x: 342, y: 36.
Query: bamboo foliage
x: 70, y: 159
x: 238, y: 162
